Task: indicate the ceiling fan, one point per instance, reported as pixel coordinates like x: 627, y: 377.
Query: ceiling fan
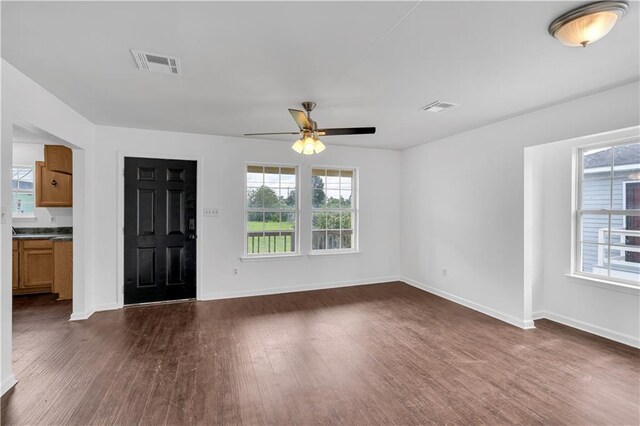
x: 309, y: 142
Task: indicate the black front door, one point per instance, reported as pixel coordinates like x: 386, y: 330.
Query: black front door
x: 159, y: 230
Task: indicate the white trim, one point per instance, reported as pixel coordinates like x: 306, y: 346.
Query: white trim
x: 81, y: 316
x: 296, y: 289
x: 537, y: 315
x: 319, y: 254
x: 120, y: 213
x: 106, y: 307
x: 23, y: 219
x: 271, y: 257
x: 593, y: 329
x: 619, y: 285
x: 9, y: 383
x: 510, y: 319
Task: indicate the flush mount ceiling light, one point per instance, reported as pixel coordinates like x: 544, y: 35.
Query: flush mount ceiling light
x: 587, y: 24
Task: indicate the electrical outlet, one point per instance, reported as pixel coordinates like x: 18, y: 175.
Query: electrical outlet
x: 235, y: 271
x: 212, y: 212
x: 53, y: 219
x: 444, y: 272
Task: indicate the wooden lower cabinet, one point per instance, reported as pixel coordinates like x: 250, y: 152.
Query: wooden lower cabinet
x: 63, y: 269
x: 35, y: 266
x: 16, y: 265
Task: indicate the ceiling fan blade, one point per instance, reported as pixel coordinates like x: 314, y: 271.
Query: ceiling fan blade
x: 347, y: 131
x: 301, y: 119
x: 272, y: 133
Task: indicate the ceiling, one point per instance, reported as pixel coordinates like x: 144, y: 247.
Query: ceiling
x: 364, y: 63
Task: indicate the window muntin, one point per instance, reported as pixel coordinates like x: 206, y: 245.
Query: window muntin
x: 272, y: 210
x: 608, y: 213
x: 22, y: 191
x: 334, y: 210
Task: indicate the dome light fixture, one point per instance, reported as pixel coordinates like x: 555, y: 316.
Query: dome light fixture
x: 587, y: 24
x: 308, y: 144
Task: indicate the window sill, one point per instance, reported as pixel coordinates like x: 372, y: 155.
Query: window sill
x: 322, y: 254
x: 24, y: 219
x: 605, y: 284
x: 267, y: 258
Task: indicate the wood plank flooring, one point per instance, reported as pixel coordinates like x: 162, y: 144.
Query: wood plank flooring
x: 378, y: 354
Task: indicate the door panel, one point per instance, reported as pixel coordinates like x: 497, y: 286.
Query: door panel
x: 160, y: 248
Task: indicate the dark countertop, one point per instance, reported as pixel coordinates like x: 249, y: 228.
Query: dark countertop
x: 54, y: 234
x: 53, y: 237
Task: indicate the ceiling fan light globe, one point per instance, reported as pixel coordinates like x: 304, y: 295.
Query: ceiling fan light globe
x: 309, y: 146
x: 319, y: 146
x: 298, y: 146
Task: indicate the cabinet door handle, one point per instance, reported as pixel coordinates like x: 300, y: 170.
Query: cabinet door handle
x: 54, y: 182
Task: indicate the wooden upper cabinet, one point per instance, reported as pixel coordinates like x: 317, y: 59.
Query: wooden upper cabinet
x: 53, y: 189
x: 58, y: 158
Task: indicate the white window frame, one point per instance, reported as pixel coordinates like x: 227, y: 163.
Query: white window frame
x: 355, y: 210
x: 24, y: 215
x: 578, y: 211
x: 248, y: 210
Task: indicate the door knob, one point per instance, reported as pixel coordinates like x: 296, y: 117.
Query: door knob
x: 192, y: 237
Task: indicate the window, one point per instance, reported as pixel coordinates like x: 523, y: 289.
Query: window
x: 608, y: 212
x: 23, y: 202
x: 334, y: 209
x: 272, y: 210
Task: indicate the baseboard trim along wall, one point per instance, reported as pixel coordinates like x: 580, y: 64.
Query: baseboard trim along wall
x: 517, y: 322
x: 81, y: 316
x: 296, y: 289
x: 8, y: 383
x: 590, y: 328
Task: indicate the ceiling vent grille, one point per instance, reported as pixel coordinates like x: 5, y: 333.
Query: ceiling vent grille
x: 156, y: 63
x: 438, y: 106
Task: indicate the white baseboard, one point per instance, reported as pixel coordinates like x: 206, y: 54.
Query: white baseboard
x: 80, y: 316
x: 107, y: 307
x: 518, y: 322
x: 295, y: 289
x: 538, y: 315
x: 8, y: 383
x: 593, y: 329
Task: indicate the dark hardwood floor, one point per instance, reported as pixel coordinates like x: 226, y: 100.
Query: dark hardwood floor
x: 379, y: 354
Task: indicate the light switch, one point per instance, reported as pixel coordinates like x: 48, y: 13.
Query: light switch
x: 212, y: 212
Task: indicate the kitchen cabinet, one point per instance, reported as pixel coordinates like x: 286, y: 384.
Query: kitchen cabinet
x: 58, y: 158
x: 53, y: 189
x: 16, y: 265
x: 34, y: 261
x: 63, y: 269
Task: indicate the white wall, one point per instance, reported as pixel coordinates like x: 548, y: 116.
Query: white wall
x: 221, y: 239
x: 609, y: 311
x: 463, y: 202
x: 26, y: 154
x: 24, y: 101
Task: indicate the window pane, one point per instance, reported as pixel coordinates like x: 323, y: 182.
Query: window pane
x: 319, y: 220
x: 333, y: 239
x: 288, y: 221
x: 346, y: 239
x: 254, y: 198
x: 596, y: 163
x: 595, y: 228
x: 318, y: 198
x: 345, y: 221
x: 319, y: 240
x: 333, y: 198
x: 626, y: 155
x: 333, y: 220
x: 595, y: 259
x: 255, y: 232
x: 22, y: 204
x: 596, y: 194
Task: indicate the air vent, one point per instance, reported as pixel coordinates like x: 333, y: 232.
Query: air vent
x: 156, y: 63
x: 438, y: 106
